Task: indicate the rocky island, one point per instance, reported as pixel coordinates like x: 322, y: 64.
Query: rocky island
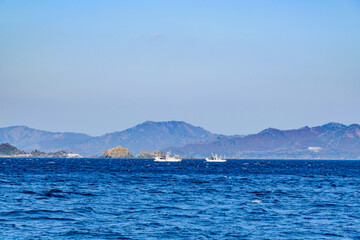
x: 117, y: 152
x: 121, y: 152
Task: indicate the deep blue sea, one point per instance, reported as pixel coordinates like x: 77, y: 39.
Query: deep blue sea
x: 140, y: 199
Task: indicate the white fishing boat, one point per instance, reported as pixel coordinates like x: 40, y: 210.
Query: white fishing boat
x: 215, y: 158
x: 167, y: 158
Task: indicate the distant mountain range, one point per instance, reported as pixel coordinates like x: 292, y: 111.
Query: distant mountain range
x: 332, y: 140
x: 148, y: 136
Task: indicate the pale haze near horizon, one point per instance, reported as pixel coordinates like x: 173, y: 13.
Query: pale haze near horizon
x: 232, y: 67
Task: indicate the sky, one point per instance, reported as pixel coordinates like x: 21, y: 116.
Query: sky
x: 232, y: 67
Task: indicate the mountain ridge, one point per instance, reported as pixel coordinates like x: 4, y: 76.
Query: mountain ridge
x: 331, y: 140
x: 28, y: 139
x: 147, y: 136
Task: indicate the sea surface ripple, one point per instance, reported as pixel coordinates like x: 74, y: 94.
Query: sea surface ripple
x: 141, y: 199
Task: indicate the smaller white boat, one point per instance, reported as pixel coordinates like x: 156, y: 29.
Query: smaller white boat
x: 215, y: 158
x: 167, y: 158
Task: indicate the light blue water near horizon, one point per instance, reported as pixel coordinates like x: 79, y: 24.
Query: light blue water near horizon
x: 141, y: 199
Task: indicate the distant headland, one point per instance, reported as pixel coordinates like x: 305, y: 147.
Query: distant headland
x: 7, y: 150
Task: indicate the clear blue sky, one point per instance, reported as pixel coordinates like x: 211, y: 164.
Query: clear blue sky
x: 232, y: 67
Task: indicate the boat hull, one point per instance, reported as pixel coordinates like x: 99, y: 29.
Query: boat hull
x: 215, y: 160
x: 179, y: 160
x: 167, y: 159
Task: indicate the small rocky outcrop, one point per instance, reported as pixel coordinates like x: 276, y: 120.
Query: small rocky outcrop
x: 145, y: 155
x: 37, y: 153
x: 118, y: 152
x: 158, y: 153
x: 58, y: 154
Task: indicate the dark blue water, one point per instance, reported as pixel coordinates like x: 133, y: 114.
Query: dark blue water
x: 140, y: 199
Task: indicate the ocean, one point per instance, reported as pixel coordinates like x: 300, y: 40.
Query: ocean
x: 141, y: 199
